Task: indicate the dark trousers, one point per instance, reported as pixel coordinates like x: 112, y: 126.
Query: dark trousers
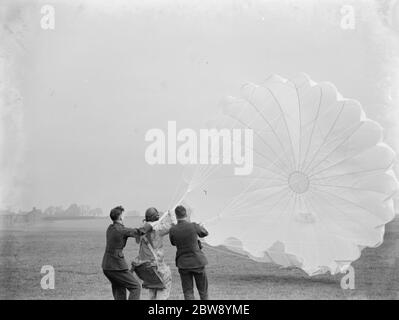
x: 122, y: 280
x: 201, y: 281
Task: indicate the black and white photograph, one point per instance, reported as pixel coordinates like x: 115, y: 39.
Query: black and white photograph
x: 199, y: 150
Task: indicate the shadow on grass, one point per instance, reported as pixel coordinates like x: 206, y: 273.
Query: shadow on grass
x: 377, y: 270
x: 282, y: 279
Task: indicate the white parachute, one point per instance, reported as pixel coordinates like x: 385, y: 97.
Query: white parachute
x: 321, y: 186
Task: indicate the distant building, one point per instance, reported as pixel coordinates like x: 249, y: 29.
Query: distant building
x: 9, y: 218
x: 6, y: 217
x: 33, y: 215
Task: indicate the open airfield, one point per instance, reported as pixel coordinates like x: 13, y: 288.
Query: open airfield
x: 75, y: 248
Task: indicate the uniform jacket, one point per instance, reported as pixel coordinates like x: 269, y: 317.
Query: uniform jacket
x: 184, y: 235
x: 117, y: 235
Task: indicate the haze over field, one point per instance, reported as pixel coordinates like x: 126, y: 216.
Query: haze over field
x: 85, y: 94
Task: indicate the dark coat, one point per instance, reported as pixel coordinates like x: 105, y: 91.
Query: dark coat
x: 117, y: 235
x: 184, y: 235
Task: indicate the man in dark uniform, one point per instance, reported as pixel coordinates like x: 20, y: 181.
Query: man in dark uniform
x: 114, y: 264
x: 190, y: 260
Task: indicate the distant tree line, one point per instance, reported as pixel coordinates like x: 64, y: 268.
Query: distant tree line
x: 8, y: 217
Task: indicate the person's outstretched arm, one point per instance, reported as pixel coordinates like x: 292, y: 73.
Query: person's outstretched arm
x: 201, y: 231
x: 164, y: 224
x: 136, y: 232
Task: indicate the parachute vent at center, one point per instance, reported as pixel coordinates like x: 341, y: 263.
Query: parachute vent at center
x: 321, y: 186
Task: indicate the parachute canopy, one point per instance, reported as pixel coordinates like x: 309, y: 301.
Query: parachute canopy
x: 321, y: 186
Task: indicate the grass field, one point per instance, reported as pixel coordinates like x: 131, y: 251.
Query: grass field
x: 75, y: 249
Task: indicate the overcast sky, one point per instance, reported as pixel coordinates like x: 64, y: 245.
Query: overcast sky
x: 85, y: 94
